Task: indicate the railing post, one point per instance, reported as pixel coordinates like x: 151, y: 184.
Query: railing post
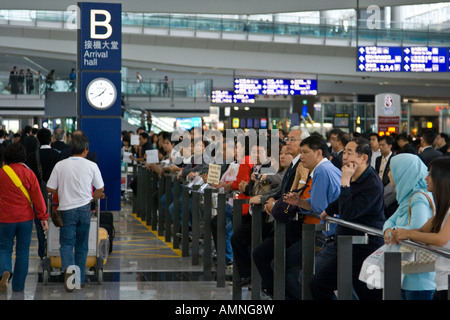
x: 161, y: 209
x: 169, y: 200
x: 135, y: 197
x: 149, y: 197
x: 221, y: 203
x: 308, y: 245
x: 279, y: 263
x: 256, y: 241
x: 145, y: 198
x: 140, y: 192
x: 344, y: 259
x: 155, y: 183
x: 237, y: 222
x: 176, y: 213
x: 207, y: 234
x: 185, y: 221
x: 195, y: 226
x: 392, y: 276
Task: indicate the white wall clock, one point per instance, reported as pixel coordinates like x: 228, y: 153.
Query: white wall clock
x: 101, y: 93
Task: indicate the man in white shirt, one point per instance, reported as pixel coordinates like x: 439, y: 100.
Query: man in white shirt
x: 72, y: 180
x: 382, y: 162
x: 374, y: 143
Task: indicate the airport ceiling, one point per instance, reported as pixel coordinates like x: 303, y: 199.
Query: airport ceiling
x: 216, y: 6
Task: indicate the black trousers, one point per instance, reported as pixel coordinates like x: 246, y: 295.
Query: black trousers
x: 241, y: 241
x: 263, y: 255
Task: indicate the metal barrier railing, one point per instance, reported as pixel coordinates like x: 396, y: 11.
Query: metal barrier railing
x: 179, y: 195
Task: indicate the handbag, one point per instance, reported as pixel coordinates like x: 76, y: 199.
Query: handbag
x: 285, y: 212
x: 56, y: 216
x: 424, y: 260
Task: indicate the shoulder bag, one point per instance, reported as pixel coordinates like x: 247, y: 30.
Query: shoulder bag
x: 424, y: 260
x: 18, y: 183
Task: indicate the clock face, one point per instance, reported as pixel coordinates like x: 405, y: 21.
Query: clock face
x: 101, y: 93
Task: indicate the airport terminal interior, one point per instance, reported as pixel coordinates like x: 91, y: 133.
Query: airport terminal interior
x: 221, y: 65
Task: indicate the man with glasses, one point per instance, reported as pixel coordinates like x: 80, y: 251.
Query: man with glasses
x: 361, y: 202
x: 263, y: 254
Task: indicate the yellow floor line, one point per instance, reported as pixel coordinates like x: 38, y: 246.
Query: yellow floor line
x: 163, y: 239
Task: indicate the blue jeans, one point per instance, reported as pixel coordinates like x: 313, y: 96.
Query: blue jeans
x: 22, y: 232
x: 417, y: 294
x: 74, y: 238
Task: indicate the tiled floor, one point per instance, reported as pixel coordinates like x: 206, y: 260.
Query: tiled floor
x: 141, y: 267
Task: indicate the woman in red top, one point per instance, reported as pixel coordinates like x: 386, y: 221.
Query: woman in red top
x: 17, y: 216
x: 244, y: 172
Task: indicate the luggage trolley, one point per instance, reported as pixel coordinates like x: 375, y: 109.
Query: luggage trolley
x: 97, y: 253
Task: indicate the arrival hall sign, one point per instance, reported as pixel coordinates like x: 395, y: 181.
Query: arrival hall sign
x: 100, y: 47
x: 99, y: 63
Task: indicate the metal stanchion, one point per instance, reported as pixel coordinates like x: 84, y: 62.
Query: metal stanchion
x: 135, y: 200
x: 169, y: 199
x: 308, y: 245
x: 344, y: 280
x: 155, y: 204
x: 195, y: 216
x: 344, y: 260
x: 221, y: 203
x: 185, y: 221
x: 139, y: 191
x: 237, y: 222
x: 176, y: 214
x: 392, y: 279
x: 149, y: 198
x: 207, y: 234
x: 256, y: 241
x: 145, y: 177
x: 161, y: 208
x: 279, y: 261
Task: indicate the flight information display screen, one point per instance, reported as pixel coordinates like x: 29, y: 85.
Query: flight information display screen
x: 275, y: 86
x: 222, y: 96
x: 403, y: 59
x: 228, y: 96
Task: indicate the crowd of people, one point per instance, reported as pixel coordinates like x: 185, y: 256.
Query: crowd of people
x: 376, y: 181
x: 35, y: 163
x: 35, y: 82
x: 390, y: 183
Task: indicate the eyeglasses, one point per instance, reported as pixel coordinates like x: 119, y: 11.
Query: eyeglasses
x: 291, y: 139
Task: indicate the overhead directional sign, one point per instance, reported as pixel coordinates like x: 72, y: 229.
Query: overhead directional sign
x: 425, y: 59
x: 275, y: 86
x: 380, y: 59
x: 228, y: 96
x: 403, y: 59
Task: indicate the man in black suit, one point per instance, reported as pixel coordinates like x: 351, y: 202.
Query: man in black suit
x: 382, y: 168
x: 404, y: 144
x: 426, y: 143
x: 263, y: 254
x: 91, y: 155
x: 29, y: 142
x: 338, y: 140
x: 441, y: 142
x: 59, y: 143
x: 383, y: 161
x: 48, y: 157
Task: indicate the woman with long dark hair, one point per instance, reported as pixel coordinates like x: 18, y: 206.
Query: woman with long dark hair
x: 20, y: 193
x: 436, y: 230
